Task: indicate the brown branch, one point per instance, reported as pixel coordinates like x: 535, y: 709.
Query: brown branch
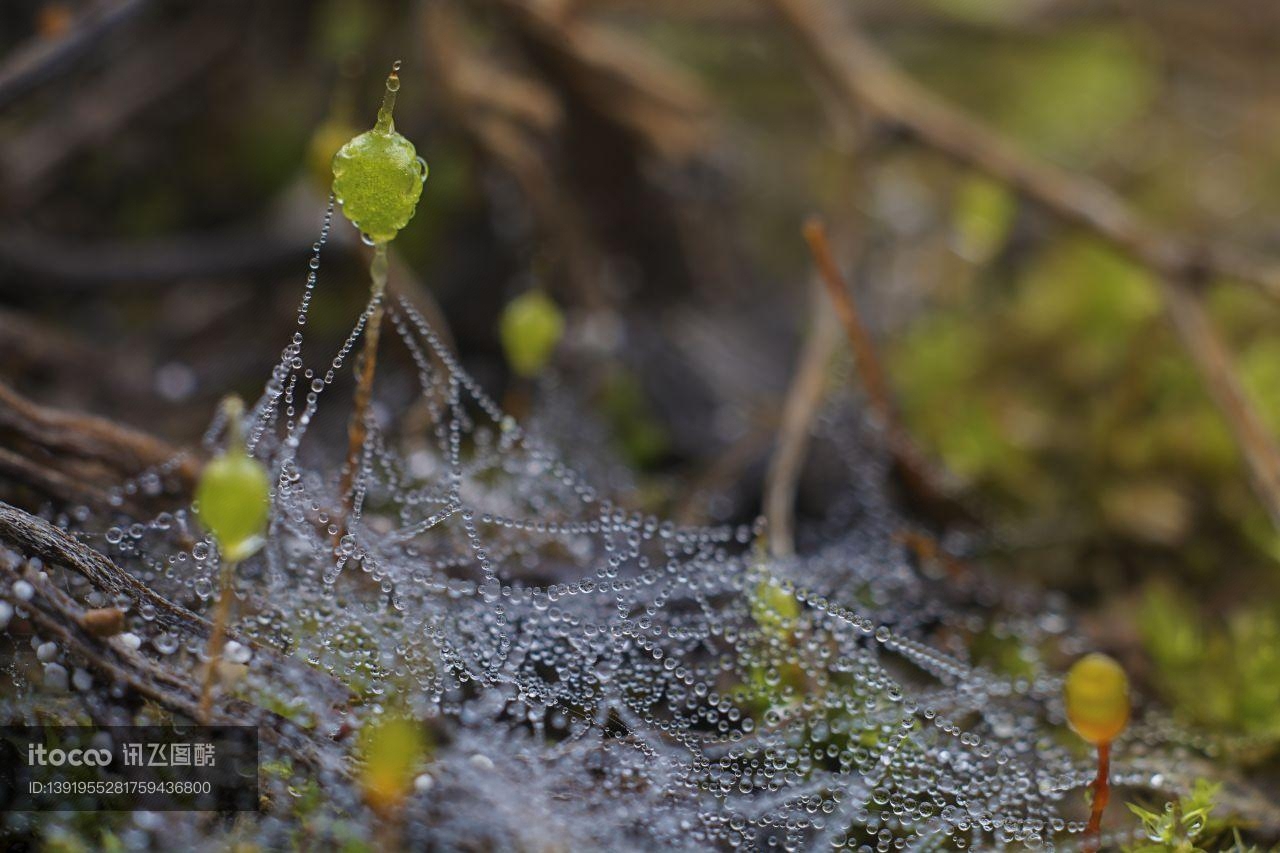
x: 43, y: 59
x: 869, y: 81
x: 661, y: 105
x: 516, y: 141
x: 95, y: 111
x: 55, y: 613
x: 867, y: 361
x: 79, y: 458
x: 76, y: 266
x: 909, y: 465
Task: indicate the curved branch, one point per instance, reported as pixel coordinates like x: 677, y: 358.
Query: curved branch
x: 871, y: 83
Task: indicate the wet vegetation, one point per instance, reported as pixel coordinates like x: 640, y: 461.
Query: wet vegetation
x: 783, y: 424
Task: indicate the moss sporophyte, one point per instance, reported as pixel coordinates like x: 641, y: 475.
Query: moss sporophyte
x: 233, y: 503
x: 377, y: 179
x: 531, y: 327
x: 1096, y: 696
x: 378, y: 175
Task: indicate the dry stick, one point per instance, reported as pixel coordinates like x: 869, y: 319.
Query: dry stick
x: 35, y: 536
x: 868, y: 80
x: 42, y: 58
x: 55, y: 614
x: 911, y: 467
x: 1101, y: 786
x: 798, y: 411
x: 870, y: 370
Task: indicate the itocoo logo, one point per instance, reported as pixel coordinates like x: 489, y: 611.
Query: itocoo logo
x: 38, y: 754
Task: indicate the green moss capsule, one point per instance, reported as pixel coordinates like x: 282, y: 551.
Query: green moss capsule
x: 233, y: 496
x: 378, y: 176
x: 531, y: 328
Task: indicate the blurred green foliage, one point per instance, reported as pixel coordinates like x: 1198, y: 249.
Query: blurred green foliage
x: 1063, y: 95
x: 1224, y: 677
x: 1055, y: 387
x: 641, y: 439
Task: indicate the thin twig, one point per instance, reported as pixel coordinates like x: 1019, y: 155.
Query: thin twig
x: 801, y: 406
x: 80, y: 458
x: 36, y: 537
x: 101, y: 107
x: 864, y: 76
x: 870, y: 82
x: 867, y: 362
x: 42, y: 59
x: 912, y: 470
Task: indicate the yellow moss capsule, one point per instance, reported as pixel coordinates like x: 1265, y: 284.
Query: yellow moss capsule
x: 233, y: 495
x: 392, y: 748
x: 1096, y: 693
x: 325, y: 143
x: 530, y: 329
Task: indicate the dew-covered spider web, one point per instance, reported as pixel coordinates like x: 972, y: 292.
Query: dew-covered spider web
x: 603, y: 679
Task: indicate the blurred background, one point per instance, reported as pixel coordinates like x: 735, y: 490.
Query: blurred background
x: 164, y: 172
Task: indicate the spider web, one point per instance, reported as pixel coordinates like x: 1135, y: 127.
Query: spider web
x: 610, y: 679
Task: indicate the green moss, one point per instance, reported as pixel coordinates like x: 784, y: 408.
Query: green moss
x: 1184, y: 826
x: 1225, y: 677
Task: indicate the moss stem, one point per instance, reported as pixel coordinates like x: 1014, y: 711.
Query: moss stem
x: 356, y: 429
x: 214, y: 650
x: 1101, y: 793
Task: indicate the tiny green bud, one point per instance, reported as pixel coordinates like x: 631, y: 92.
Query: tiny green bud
x: 378, y: 176
x: 530, y: 329
x: 233, y: 495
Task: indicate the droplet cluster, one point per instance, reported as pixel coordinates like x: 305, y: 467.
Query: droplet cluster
x: 602, y: 678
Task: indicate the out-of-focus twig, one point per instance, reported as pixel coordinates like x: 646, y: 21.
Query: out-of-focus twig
x: 871, y: 83
x: 43, y: 59
x: 662, y: 106
x: 76, y: 266
x: 512, y: 120
x: 91, y: 113
x: 911, y: 468
x: 803, y: 400
x: 867, y: 361
x: 80, y: 458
